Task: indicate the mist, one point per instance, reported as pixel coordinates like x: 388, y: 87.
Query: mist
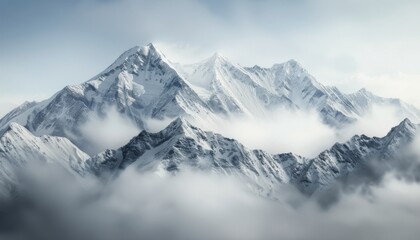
x: 199, y: 205
x: 278, y: 131
x: 283, y: 130
x: 156, y: 125
x: 111, y: 131
x: 376, y: 122
x: 301, y: 132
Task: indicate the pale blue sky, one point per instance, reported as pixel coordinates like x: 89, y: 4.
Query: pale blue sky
x: 45, y: 45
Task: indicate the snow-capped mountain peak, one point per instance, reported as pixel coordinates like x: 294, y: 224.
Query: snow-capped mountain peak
x: 136, y: 57
x: 405, y: 131
x: 143, y: 84
x: 217, y: 58
x: 290, y: 67
x: 407, y: 124
x: 179, y: 126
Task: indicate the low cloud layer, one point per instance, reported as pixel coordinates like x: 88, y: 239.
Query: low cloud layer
x: 376, y: 122
x: 279, y: 131
x: 301, y: 132
x: 111, y: 131
x: 197, y: 205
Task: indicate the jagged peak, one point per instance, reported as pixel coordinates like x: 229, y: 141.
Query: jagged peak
x: 257, y: 67
x: 405, y: 126
x: 150, y: 50
x: 407, y: 123
x: 144, y: 50
x: 175, y: 129
x: 290, y: 64
x: 216, y: 58
x: 289, y: 155
x: 291, y: 67
x: 132, y: 50
x: 151, y: 45
x: 177, y: 125
x: 218, y: 55
x: 364, y: 91
x: 132, y: 56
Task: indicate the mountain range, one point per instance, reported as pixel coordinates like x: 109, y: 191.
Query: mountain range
x: 183, y: 146
x: 142, y: 84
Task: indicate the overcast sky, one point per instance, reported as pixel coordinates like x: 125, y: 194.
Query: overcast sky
x: 45, y: 45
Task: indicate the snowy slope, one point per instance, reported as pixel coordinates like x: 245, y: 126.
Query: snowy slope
x: 19, y: 147
x: 229, y: 88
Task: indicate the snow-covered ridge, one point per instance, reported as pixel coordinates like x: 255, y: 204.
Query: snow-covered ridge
x: 143, y: 84
x: 182, y: 145
x: 19, y: 147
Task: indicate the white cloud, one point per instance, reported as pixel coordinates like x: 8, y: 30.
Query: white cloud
x: 155, y: 125
x: 376, y: 122
x: 300, y: 132
x: 277, y: 132
x: 110, y: 131
x: 197, y: 205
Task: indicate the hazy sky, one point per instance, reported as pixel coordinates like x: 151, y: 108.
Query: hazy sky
x: 45, y: 45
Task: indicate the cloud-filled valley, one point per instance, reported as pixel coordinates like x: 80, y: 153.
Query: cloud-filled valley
x: 194, y: 205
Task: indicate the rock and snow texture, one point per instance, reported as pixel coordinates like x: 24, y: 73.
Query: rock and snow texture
x: 228, y: 87
x: 343, y: 158
x: 182, y: 145
x: 143, y: 84
x: 19, y: 147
